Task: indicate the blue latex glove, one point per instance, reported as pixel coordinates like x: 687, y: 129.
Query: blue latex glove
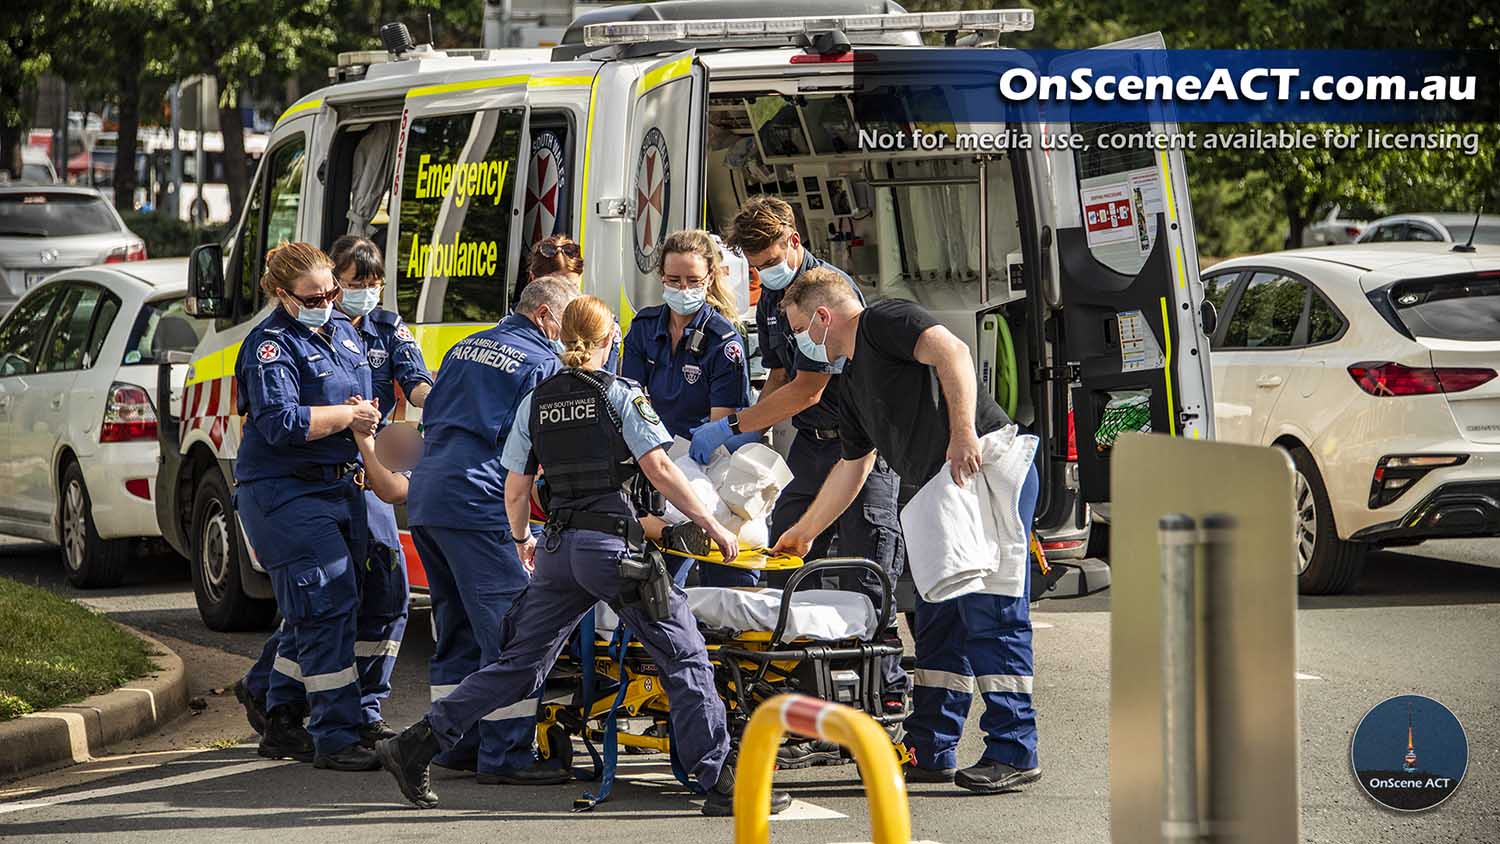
x: 708, y: 437
x: 734, y: 442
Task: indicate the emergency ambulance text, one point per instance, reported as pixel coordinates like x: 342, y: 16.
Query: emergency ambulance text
x: 479, y: 179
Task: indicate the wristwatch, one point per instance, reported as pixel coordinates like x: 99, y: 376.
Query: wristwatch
x: 734, y: 422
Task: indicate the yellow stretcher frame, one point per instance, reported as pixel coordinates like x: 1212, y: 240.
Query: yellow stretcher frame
x: 752, y: 557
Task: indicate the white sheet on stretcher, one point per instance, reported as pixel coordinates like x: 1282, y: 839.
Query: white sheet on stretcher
x: 820, y: 614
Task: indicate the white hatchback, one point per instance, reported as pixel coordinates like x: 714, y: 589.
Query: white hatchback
x: 1375, y: 368
x: 79, y: 357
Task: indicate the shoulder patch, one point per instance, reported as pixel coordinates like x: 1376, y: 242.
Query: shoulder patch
x: 735, y: 354
x: 268, y: 351
x: 644, y: 408
x: 404, y: 333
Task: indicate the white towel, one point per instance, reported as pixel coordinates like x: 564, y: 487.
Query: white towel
x: 970, y: 538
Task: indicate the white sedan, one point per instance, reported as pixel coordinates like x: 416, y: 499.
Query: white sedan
x: 1374, y: 367
x: 79, y: 360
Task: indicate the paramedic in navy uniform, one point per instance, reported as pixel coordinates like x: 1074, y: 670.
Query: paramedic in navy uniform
x: 593, y: 432
x: 456, y: 511
x: 302, y: 510
x: 896, y: 350
x: 689, y: 357
x: 383, y: 592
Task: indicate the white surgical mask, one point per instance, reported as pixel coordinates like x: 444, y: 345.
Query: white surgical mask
x: 817, y: 351
x: 357, y: 303
x: 686, y: 301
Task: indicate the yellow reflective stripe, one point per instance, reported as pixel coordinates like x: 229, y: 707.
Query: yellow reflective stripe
x: 588, y: 157
x: 215, y: 365
x: 1166, y: 170
x: 435, y: 339
x: 299, y: 108
x: 1166, y: 327
x: 559, y: 81
x: 661, y: 75
x: 467, y: 85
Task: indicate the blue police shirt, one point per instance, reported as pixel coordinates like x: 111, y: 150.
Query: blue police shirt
x: 778, y: 349
x: 684, y: 385
x: 460, y: 482
x: 394, y: 355
x: 283, y: 371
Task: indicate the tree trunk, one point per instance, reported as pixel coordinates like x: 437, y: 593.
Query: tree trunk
x: 236, y: 175
x: 132, y: 65
x: 1296, y: 220
x: 10, y: 150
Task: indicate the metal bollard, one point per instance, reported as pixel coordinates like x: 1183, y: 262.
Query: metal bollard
x: 1222, y: 693
x: 1177, y: 537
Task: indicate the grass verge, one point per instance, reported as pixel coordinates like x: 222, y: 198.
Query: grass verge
x: 53, y: 651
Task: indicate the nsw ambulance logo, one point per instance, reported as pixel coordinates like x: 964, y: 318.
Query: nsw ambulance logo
x: 653, y: 195
x: 267, y: 352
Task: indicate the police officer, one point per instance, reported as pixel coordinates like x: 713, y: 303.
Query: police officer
x: 384, y: 593
x: 457, y: 518
x: 803, y: 387
x: 300, y: 506
x: 688, y: 355
x: 593, y: 433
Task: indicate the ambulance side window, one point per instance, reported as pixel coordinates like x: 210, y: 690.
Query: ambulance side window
x: 457, y: 198
x: 270, y: 217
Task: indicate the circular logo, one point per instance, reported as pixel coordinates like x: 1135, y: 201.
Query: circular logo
x: 1409, y: 753
x: 545, y: 184
x: 268, y: 351
x: 653, y: 194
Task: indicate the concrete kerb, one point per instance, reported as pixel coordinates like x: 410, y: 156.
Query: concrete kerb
x: 74, y: 733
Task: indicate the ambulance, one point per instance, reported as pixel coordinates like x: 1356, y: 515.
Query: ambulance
x: 1071, y: 274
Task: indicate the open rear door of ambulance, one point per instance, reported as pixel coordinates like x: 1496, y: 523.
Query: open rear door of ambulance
x: 1128, y: 278
x: 664, y: 168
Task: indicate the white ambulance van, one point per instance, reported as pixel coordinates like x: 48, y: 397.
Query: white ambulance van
x: 655, y: 117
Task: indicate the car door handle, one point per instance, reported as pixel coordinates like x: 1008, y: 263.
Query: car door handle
x: 1268, y: 381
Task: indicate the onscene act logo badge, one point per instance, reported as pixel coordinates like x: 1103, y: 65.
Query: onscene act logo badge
x: 1409, y: 753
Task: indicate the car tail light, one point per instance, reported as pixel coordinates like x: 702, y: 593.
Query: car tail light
x: 1394, y: 379
x: 132, y: 252
x: 1396, y: 473
x: 1062, y: 545
x: 128, y: 415
x: 139, y: 487
x: 1351, y: 231
x: 1072, y: 440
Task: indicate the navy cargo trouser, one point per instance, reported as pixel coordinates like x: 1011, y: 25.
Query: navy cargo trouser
x: 566, y: 584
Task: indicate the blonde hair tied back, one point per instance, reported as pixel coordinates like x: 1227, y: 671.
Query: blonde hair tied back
x: 587, y: 324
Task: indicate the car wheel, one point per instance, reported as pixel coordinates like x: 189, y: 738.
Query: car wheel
x: 1325, y: 564
x: 222, y: 601
x: 90, y: 562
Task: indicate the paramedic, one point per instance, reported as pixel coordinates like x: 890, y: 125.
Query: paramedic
x: 688, y: 355
x: 301, y: 509
x: 804, y: 388
x: 553, y: 255
x: 594, y: 433
x: 896, y: 350
x: 383, y: 593
x: 457, y: 518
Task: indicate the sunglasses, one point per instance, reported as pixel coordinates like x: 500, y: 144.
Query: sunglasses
x: 550, y: 250
x: 317, y: 300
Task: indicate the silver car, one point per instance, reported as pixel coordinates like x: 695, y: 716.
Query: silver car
x: 47, y: 228
x: 1437, y: 227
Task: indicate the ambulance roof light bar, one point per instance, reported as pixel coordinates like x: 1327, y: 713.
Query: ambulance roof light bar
x: 760, y: 29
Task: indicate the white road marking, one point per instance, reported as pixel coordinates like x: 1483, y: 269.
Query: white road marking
x: 1301, y: 676
x: 148, y: 785
x: 801, y: 810
x: 1041, y: 625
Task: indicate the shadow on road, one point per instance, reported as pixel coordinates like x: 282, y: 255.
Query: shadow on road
x: 1399, y: 579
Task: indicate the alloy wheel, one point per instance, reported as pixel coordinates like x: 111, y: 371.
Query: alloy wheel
x: 74, y: 526
x: 1307, y: 523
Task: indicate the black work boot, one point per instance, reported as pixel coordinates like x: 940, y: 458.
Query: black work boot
x: 687, y: 537
x: 375, y: 731
x: 534, y: 774
x: 285, y: 737
x: 806, y: 754
x: 355, y: 757
x: 719, y: 802
x: 255, y: 710
x: 996, y: 778
x: 917, y: 773
x: 406, y: 757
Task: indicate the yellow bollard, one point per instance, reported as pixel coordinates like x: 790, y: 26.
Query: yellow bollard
x: 890, y: 815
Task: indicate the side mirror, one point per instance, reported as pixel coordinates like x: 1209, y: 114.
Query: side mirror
x: 1209, y: 316
x: 206, y: 294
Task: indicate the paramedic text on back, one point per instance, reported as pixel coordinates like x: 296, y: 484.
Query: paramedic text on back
x: 1260, y: 84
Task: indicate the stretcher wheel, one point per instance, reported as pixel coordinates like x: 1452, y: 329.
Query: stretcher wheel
x: 559, y: 746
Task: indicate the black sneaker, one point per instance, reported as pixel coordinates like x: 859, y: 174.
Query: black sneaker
x: 689, y: 538
x: 719, y: 802
x: 535, y: 774
x: 406, y: 757
x: 285, y: 737
x: 996, y: 778
x: 355, y: 757
x: 807, y: 754
x: 375, y: 731
x: 255, y: 710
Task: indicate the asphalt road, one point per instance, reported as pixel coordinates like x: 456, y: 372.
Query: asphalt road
x: 1426, y: 620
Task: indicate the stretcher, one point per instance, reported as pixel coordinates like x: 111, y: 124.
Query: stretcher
x: 825, y: 643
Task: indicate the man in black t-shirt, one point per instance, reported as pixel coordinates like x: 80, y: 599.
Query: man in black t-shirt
x: 909, y: 393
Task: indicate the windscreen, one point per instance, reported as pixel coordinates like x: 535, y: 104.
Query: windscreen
x: 43, y: 214
x: 1488, y: 234
x: 1453, y: 308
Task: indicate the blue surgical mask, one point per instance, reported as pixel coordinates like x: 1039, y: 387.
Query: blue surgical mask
x: 314, y: 317
x: 557, y: 345
x: 777, y: 277
x: 685, y: 302
x: 813, y: 351
x: 357, y: 303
